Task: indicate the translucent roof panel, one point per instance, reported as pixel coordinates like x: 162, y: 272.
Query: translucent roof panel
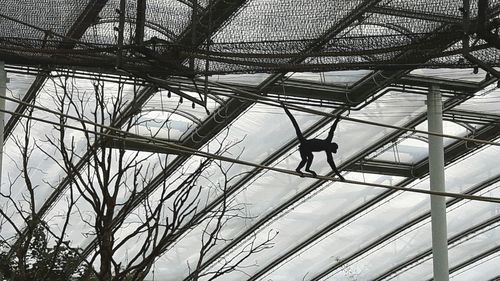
x: 339, y: 78
x: 451, y: 74
x: 329, y: 204
x: 243, y: 79
x: 169, y: 116
x: 17, y: 87
x: 414, y: 148
x: 484, y: 102
x: 484, y: 269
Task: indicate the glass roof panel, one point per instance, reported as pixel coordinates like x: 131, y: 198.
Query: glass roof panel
x: 328, y: 205
x: 413, y: 148
x: 170, y: 116
x: 16, y: 89
x: 344, y: 78
x: 485, y: 101
x: 407, y: 150
x: 242, y: 79
x: 484, y: 269
x: 451, y: 74
x: 416, y: 239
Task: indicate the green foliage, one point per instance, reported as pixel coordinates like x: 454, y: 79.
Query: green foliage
x: 55, y: 263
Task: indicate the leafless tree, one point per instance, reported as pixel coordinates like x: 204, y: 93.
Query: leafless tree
x: 34, y: 251
x: 113, y: 180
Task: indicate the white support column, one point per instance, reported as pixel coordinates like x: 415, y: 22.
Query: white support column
x: 3, y: 88
x: 436, y: 169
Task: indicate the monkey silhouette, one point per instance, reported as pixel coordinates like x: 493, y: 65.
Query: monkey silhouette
x: 308, y: 146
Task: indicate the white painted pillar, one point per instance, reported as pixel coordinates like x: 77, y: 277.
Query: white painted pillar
x: 436, y: 169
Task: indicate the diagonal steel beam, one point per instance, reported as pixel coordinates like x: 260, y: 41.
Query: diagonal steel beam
x: 399, y: 12
x: 387, y: 168
x: 444, y: 84
x: 335, y: 30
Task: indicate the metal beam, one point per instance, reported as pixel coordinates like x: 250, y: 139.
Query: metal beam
x: 383, y: 78
x: 399, y: 12
x: 300, y: 89
x: 140, y: 21
x: 382, y: 167
x: 452, y: 153
x: 335, y: 30
x: 87, y: 18
x: 451, y: 85
x: 459, y: 148
x: 466, y: 116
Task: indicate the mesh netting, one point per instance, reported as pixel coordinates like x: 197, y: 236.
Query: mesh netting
x: 57, y: 16
x: 256, y: 36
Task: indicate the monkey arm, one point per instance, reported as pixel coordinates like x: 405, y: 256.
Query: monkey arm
x: 332, y: 129
x: 295, y: 124
x: 329, y: 158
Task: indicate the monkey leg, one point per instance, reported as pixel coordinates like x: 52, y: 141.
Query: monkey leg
x: 308, y: 166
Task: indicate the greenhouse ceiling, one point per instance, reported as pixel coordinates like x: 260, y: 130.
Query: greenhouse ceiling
x: 147, y: 139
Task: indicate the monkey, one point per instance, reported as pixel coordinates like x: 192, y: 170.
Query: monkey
x: 308, y: 146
